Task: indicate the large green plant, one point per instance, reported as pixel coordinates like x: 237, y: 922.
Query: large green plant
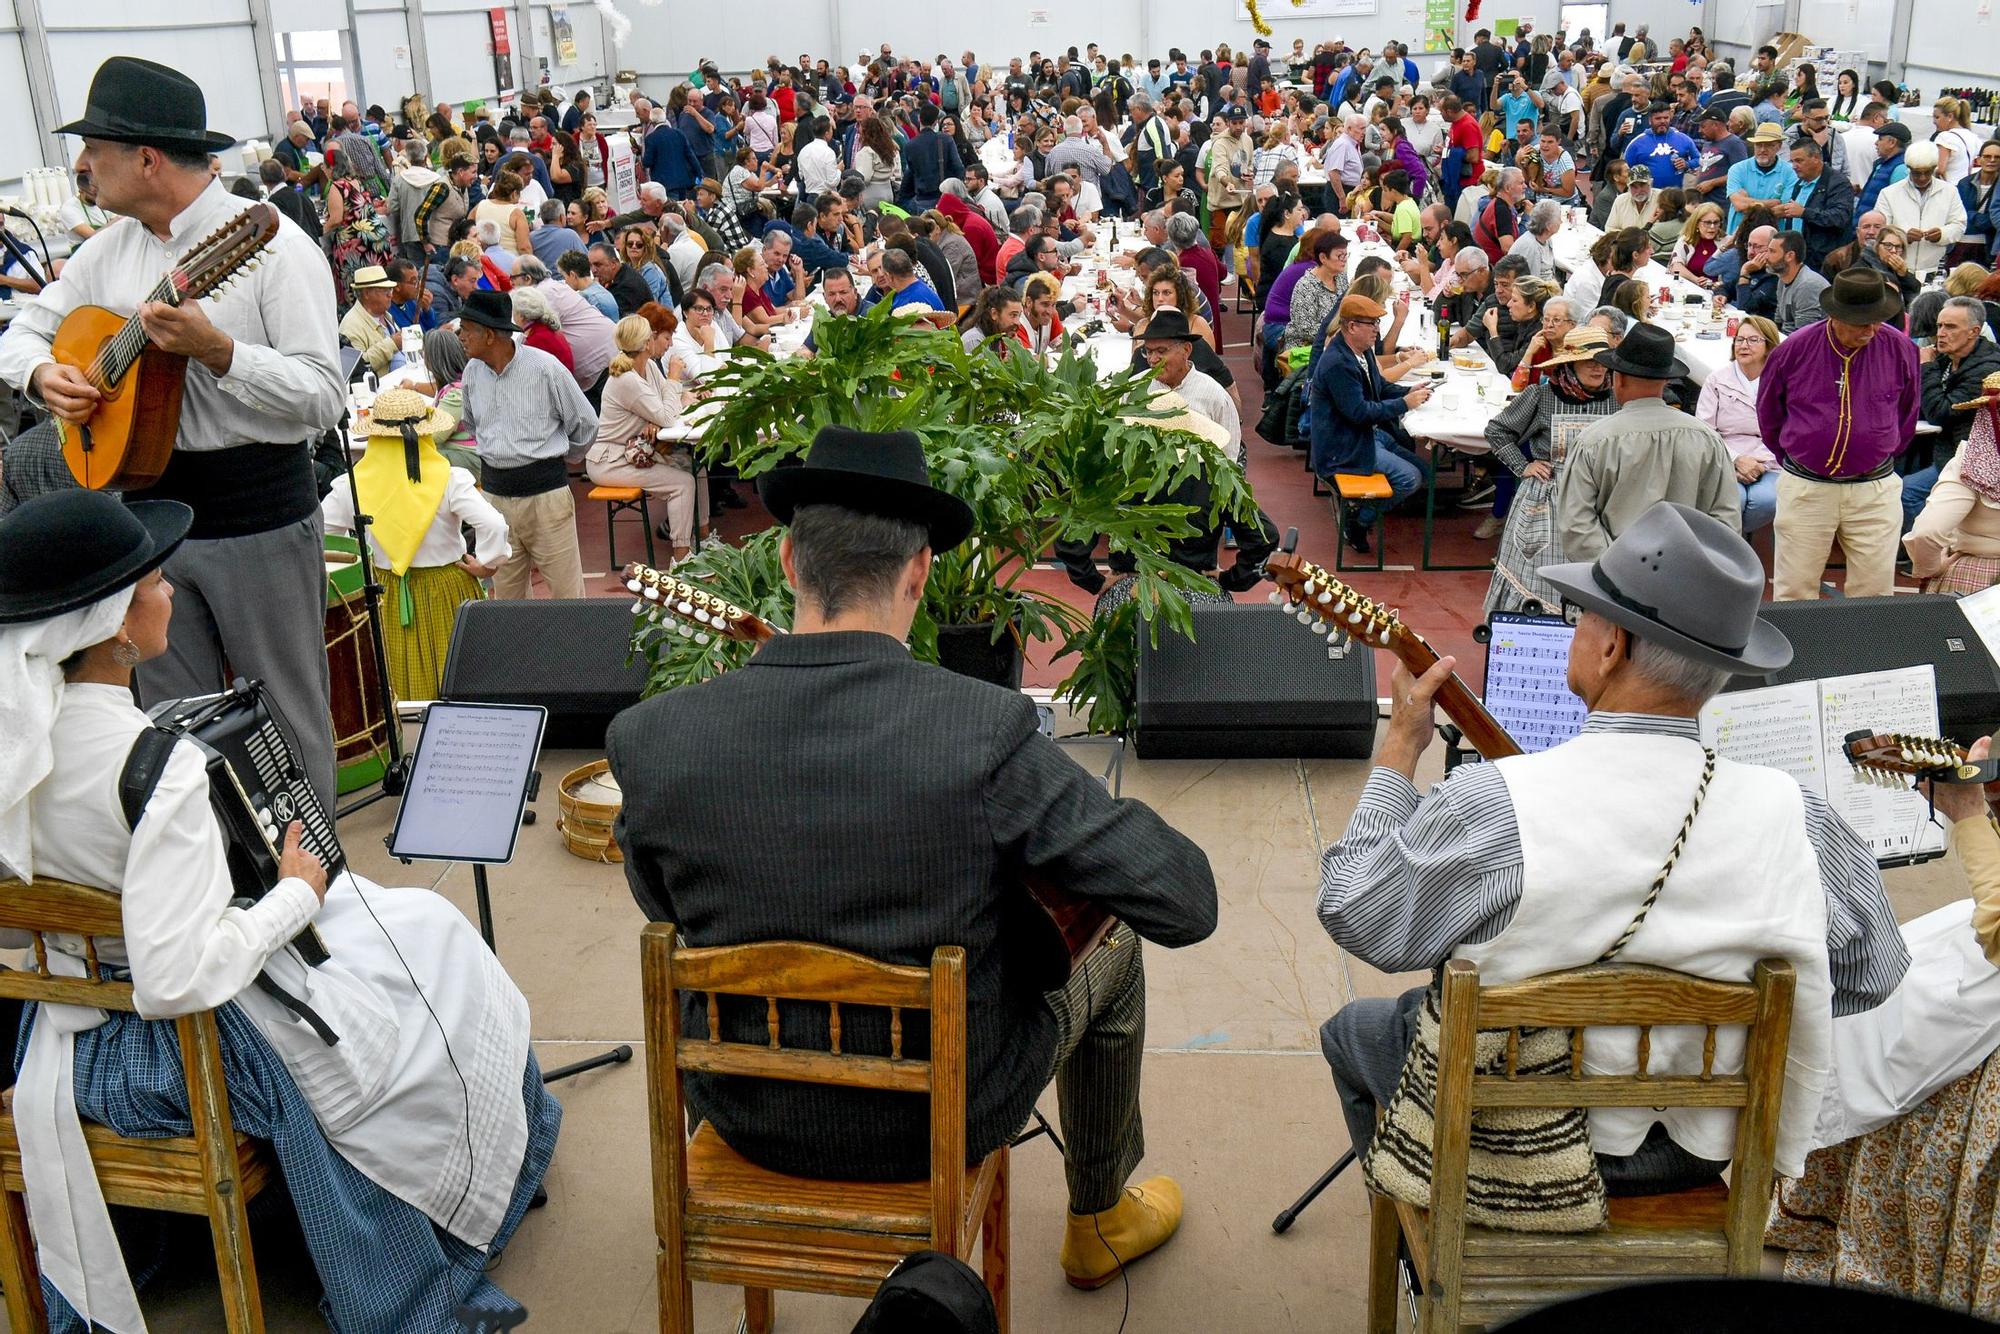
x: 1040, y: 451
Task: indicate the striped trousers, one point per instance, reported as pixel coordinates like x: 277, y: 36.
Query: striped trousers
x: 1100, y: 1043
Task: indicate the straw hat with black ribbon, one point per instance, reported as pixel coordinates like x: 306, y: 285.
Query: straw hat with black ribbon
x: 402, y: 488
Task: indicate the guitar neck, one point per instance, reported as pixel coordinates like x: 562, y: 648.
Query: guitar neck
x: 116, y: 357
x: 1482, y: 731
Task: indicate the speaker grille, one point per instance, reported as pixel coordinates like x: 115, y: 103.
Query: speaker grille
x: 566, y: 655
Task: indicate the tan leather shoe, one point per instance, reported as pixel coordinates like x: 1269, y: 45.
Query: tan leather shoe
x: 1489, y: 528
x: 1095, y: 1245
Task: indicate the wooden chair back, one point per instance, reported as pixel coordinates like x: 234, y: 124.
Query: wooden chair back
x: 204, y: 1173
x: 1606, y: 996
x: 794, y: 971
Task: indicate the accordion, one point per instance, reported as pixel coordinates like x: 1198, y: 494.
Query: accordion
x: 257, y: 786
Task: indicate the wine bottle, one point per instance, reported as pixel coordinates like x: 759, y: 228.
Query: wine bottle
x: 1444, y: 336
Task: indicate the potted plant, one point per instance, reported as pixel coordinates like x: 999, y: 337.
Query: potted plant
x: 1040, y: 451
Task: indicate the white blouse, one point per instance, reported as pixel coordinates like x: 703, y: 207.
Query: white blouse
x: 444, y: 544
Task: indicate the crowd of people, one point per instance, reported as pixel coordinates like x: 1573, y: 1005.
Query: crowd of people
x: 477, y: 257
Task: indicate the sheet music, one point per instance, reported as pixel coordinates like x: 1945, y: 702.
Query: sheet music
x: 1527, y: 680
x: 468, y: 782
x: 1801, y: 728
x: 1982, y: 609
x: 1895, y: 821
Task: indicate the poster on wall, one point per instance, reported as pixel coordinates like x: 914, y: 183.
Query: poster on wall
x: 564, y: 34
x: 1310, y: 9
x: 1440, y: 19
x: 503, y: 53
x: 623, y: 183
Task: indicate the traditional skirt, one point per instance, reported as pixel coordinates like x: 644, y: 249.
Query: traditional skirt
x: 383, y: 1264
x: 418, y: 611
x: 1965, y: 574
x: 1530, y: 540
x: 1907, y: 1209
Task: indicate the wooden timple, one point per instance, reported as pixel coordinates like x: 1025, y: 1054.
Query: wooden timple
x: 130, y: 437
x: 1063, y: 930
x: 1344, y: 617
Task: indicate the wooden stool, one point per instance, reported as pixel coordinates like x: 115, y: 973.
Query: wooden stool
x: 1355, y: 489
x: 616, y: 500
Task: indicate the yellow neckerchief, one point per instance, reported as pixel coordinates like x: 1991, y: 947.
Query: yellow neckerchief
x: 401, y: 509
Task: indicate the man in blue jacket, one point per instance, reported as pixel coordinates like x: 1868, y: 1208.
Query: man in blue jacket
x: 1980, y: 193
x: 668, y: 160
x: 1357, y: 416
x: 929, y: 160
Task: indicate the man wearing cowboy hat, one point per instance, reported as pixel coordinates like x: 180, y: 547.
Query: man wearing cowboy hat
x: 1765, y: 174
x: 914, y: 800
x: 1537, y: 863
x: 1837, y: 402
x: 1645, y: 452
x: 262, y: 381
x: 366, y: 327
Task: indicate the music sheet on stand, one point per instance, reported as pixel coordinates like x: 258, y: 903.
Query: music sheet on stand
x: 1801, y: 728
x: 1527, y: 682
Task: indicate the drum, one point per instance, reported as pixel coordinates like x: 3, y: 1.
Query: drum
x: 354, y: 675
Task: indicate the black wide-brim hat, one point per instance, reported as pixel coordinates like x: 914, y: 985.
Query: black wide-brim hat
x: 881, y: 473
x: 1646, y: 351
x: 495, y: 310
x: 134, y: 101
x: 63, y: 550
x: 1861, y: 295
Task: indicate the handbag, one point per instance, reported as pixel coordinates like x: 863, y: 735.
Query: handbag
x: 1530, y: 1169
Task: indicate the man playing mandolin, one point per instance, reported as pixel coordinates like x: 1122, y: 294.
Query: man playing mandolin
x: 1631, y: 841
x: 262, y: 378
x: 837, y: 791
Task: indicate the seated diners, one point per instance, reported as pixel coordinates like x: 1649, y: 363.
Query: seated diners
x: 1538, y: 863
x: 1728, y: 402
x: 1959, y: 359
x: 1357, y: 415
x: 640, y: 400
x: 995, y: 315
x: 1955, y: 544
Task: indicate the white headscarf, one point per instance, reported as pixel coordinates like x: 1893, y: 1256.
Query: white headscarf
x: 31, y: 690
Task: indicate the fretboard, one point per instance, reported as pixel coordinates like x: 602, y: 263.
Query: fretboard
x: 115, y: 358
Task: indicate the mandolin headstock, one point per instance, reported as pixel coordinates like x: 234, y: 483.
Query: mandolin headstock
x: 1887, y: 757
x: 1330, y: 608
x: 696, y: 613
x: 227, y: 251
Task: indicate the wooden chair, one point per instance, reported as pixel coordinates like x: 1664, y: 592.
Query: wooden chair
x: 618, y: 500
x: 722, y: 1219
x: 1473, y: 1277
x: 214, y: 1171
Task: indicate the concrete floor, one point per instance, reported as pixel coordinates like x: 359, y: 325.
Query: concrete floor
x: 1237, y: 1100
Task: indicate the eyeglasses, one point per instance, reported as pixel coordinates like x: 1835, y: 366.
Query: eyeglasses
x: 1889, y: 245
x: 1572, y: 612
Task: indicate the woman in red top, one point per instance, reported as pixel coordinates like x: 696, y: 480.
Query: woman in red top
x: 786, y: 99
x: 753, y: 307
x: 544, y: 330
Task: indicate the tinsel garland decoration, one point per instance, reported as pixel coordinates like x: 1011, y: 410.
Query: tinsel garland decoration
x: 1257, y: 18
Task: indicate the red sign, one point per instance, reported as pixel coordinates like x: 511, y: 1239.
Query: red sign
x: 496, y: 19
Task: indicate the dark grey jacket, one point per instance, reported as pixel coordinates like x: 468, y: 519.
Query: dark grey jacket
x: 836, y: 790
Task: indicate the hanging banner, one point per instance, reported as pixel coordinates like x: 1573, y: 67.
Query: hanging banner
x: 622, y: 177
x: 565, y: 36
x: 503, y: 53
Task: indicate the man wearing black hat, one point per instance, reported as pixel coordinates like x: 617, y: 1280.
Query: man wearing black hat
x: 914, y: 800
x: 528, y: 414
x: 1644, y: 453
x: 262, y: 379
x: 1544, y: 862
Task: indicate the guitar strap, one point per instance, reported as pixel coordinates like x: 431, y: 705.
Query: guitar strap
x: 137, y: 781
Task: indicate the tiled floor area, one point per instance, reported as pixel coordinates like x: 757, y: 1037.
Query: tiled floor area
x: 1237, y: 1100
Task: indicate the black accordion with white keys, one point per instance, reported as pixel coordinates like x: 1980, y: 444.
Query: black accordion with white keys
x: 257, y: 786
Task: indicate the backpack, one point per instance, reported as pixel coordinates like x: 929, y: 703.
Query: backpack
x: 930, y: 1293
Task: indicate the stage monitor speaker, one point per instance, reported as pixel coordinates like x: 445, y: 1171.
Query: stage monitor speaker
x: 1252, y: 684
x: 567, y: 655
x: 1844, y: 636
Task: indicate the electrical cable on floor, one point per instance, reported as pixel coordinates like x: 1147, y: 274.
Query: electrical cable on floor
x: 1319, y: 851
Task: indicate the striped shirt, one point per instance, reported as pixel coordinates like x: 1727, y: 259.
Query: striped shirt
x: 1417, y: 876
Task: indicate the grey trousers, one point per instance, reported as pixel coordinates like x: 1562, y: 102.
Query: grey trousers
x: 1100, y: 1043
x: 1365, y: 1043
x: 254, y: 607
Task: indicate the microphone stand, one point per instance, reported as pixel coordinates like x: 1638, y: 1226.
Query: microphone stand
x: 24, y: 257
x: 397, y: 773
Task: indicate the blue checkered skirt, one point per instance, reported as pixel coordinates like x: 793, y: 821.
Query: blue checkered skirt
x: 383, y: 1264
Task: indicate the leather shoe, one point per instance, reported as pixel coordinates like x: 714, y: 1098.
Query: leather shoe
x: 1096, y: 1246
x: 1356, y: 533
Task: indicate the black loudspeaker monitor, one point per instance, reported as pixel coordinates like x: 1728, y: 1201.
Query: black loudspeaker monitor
x: 1844, y: 636
x: 567, y: 655
x: 1252, y: 684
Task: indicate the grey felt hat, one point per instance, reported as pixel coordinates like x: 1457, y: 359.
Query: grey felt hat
x: 1685, y: 581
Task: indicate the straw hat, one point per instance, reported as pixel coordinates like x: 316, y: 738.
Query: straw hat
x: 1989, y: 390
x: 395, y: 408
x: 1180, y: 416
x: 1580, y: 344
x: 370, y: 275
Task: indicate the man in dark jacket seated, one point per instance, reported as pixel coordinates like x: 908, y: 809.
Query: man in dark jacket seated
x: 891, y: 807
x: 1357, y: 416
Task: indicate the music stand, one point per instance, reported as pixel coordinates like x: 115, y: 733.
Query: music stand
x: 471, y: 777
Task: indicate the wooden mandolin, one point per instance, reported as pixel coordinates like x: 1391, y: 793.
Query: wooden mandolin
x: 129, y: 439
x: 1063, y: 929
x: 1344, y: 617
x: 1892, y: 757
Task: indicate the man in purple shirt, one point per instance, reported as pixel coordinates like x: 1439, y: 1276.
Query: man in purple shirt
x: 1837, y: 402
